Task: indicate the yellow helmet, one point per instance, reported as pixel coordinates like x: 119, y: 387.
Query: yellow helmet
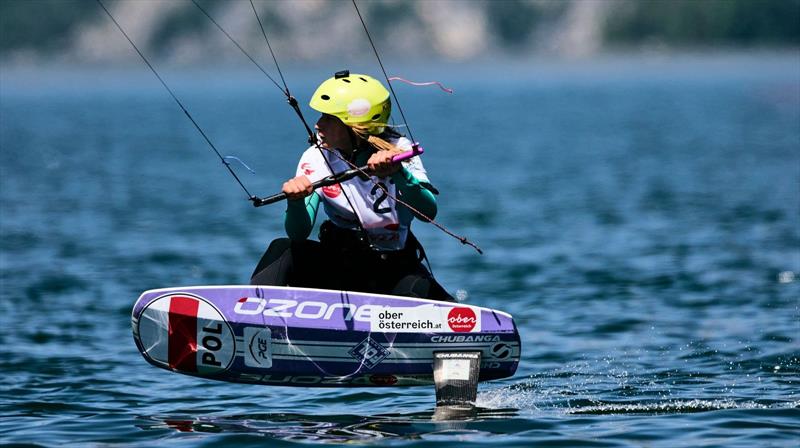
x: 357, y: 100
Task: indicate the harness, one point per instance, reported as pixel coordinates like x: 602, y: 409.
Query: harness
x: 354, y: 243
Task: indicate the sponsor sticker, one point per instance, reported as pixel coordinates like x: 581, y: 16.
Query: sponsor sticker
x: 461, y: 319
x: 425, y: 319
x: 455, y: 369
x: 306, y: 309
x: 419, y: 319
x: 369, y: 352
x: 358, y: 107
x: 258, y: 352
x: 466, y: 338
x: 332, y: 191
x: 383, y: 380
x: 501, y: 350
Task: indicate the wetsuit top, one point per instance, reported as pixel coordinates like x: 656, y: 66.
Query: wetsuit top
x: 385, y: 221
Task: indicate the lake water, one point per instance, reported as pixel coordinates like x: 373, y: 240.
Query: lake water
x: 640, y: 220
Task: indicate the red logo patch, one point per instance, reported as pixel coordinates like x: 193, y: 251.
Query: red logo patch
x: 306, y: 167
x: 181, y: 425
x: 461, y: 319
x: 382, y: 380
x: 332, y: 191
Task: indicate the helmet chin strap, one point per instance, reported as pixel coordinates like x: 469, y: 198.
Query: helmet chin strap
x: 355, y: 144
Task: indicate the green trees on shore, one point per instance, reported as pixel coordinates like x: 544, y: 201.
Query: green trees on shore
x: 705, y: 22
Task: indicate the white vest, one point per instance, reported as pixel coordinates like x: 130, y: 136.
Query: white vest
x: 386, y: 228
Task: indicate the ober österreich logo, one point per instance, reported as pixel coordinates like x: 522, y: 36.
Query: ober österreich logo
x: 461, y: 319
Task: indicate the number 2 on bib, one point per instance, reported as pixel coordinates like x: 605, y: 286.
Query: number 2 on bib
x: 376, y: 207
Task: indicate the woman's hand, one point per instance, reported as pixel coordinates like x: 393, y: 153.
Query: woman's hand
x: 381, y: 163
x: 297, y: 188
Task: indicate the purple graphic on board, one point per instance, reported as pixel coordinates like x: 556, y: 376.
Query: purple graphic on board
x: 311, y: 337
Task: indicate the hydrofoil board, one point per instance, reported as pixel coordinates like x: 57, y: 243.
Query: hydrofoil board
x: 312, y: 337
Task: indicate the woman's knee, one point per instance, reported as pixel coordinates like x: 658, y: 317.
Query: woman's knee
x: 278, y: 246
x: 421, y: 286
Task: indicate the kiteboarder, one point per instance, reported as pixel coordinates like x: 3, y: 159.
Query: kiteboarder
x: 366, y: 243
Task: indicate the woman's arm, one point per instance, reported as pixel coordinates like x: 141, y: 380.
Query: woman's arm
x: 300, y: 216
x: 415, y: 194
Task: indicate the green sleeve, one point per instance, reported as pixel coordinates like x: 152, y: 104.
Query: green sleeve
x: 415, y: 194
x: 300, y: 216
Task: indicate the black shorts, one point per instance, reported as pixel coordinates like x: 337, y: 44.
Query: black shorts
x: 342, y: 261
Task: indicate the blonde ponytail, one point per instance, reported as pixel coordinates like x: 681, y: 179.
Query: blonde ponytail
x: 374, y: 141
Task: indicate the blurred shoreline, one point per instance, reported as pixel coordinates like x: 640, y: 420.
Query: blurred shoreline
x: 176, y: 32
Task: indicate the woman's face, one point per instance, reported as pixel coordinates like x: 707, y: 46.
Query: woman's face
x: 333, y: 133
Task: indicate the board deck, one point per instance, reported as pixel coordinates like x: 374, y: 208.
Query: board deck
x: 312, y: 337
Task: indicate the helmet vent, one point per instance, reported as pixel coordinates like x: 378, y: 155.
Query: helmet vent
x: 361, y: 78
x: 376, y: 116
x: 325, y: 97
x: 346, y: 80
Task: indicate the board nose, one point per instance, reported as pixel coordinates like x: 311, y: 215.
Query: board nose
x: 185, y: 333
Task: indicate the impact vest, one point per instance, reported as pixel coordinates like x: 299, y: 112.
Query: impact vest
x: 386, y: 227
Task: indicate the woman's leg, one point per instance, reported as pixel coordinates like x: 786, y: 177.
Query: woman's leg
x: 409, y: 277
x: 291, y: 263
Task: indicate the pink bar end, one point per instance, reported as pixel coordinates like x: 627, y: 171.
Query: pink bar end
x: 408, y: 154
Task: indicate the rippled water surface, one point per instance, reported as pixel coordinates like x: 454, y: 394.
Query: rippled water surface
x: 640, y: 221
